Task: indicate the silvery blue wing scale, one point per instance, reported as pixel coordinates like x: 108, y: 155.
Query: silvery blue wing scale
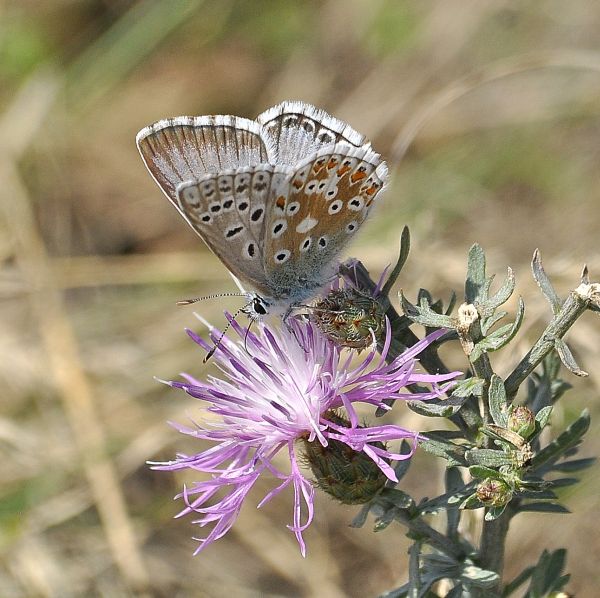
x: 275, y: 199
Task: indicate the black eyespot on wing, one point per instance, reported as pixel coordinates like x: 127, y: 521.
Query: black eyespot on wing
x: 256, y: 215
x: 206, y: 218
x: 251, y: 250
x: 216, y: 208
x: 243, y: 206
x: 322, y: 242
x: 227, y: 204
x: 277, y: 228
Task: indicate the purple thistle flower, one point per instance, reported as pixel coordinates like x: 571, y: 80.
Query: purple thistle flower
x: 278, y: 388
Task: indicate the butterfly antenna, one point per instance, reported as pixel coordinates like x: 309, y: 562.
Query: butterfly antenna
x: 246, y: 336
x: 224, y: 331
x: 215, y: 296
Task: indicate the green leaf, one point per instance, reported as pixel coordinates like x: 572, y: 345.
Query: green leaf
x: 454, y: 483
x: 517, y: 582
x: 542, y: 416
x: 453, y: 453
x: 398, y: 498
x: 480, y: 472
x: 488, y: 458
x: 544, y: 283
x: 414, y: 573
x: 472, y: 502
x: 424, y: 315
x: 361, y: 517
x: 437, y: 407
x: 548, y: 575
x: 401, y: 467
x: 575, y: 465
x: 570, y: 437
x: 404, y: 251
x: 567, y: 357
x: 498, y: 401
x: 475, y: 285
x: 494, y: 512
x: 470, y: 387
x: 487, y: 323
x: 543, y: 507
x: 504, y: 292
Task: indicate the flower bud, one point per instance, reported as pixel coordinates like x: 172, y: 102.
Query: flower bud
x: 522, y: 421
x: 349, y: 476
x: 493, y: 493
x: 349, y: 318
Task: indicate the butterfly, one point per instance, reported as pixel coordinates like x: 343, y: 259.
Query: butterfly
x: 276, y: 198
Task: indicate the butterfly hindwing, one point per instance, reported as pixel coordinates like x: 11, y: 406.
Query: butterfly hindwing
x: 315, y: 214
x: 187, y: 148
x: 228, y: 211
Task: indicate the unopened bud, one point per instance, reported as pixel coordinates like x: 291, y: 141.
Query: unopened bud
x: 493, y: 493
x: 522, y: 421
x: 349, y: 476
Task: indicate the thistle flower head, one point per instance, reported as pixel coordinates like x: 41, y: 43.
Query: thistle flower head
x: 277, y: 388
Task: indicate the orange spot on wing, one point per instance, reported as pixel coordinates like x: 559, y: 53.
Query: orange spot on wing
x: 332, y: 162
x: 372, y: 190
x: 343, y: 170
x: 358, y: 176
x: 280, y: 202
x: 297, y: 184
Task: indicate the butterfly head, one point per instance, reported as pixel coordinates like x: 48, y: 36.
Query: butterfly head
x: 257, y: 307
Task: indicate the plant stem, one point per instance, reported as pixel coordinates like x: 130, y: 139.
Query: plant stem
x: 576, y: 303
x: 420, y: 529
x: 493, y: 542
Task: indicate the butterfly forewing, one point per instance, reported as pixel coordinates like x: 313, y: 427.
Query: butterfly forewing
x: 228, y: 211
x: 187, y: 148
x: 299, y: 130
x: 324, y: 202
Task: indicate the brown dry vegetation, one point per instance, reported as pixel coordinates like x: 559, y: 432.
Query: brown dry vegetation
x: 488, y: 112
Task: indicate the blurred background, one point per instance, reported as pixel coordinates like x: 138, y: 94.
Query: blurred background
x: 489, y: 115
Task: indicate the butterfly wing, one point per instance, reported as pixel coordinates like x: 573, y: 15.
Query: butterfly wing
x: 323, y: 202
x: 187, y: 148
x: 300, y: 130
x: 228, y: 211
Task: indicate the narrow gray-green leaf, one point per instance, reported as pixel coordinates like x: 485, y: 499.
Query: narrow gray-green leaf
x: 571, y: 436
x: 475, y: 283
x: 544, y: 283
x: 567, y: 357
x: 575, y: 465
x: 404, y: 251
x: 361, y: 517
x: 542, y: 416
x: 494, y: 512
x: 488, y: 458
x: 481, y: 472
x: 504, y: 292
x: 543, y: 507
x: 498, y: 401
